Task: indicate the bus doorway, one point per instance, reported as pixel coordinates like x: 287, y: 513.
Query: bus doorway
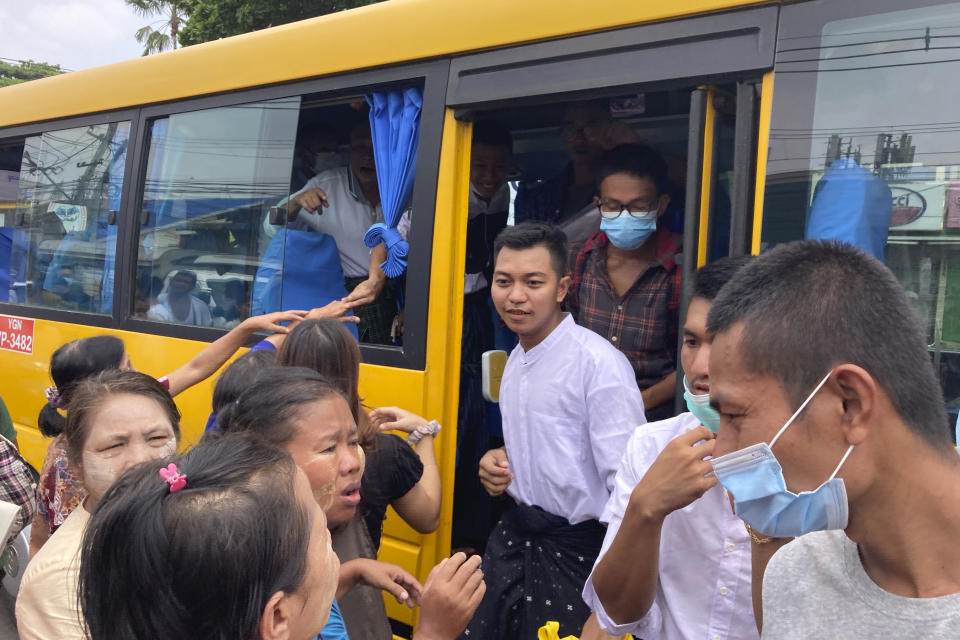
x: 539, y: 163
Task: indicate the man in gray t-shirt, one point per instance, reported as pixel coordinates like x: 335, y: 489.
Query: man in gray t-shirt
x: 809, y: 312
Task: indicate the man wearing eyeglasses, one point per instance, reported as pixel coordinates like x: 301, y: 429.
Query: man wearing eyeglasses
x: 626, y: 280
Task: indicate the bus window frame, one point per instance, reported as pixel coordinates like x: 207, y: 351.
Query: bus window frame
x: 432, y: 74
x: 15, y: 133
x: 734, y: 44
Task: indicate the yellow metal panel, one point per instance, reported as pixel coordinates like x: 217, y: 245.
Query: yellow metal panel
x: 706, y: 179
x: 439, y: 388
x: 372, y: 36
x: 763, y: 145
x: 24, y: 377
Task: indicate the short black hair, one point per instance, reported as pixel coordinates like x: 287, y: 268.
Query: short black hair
x: 711, y: 277
x: 203, y: 561
x: 269, y: 408
x: 240, y: 376
x: 492, y: 133
x: 810, y: 305
x: 527, y: 235
x: 637, y: 160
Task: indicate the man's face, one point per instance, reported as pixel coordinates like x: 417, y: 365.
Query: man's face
x: 527, y: 292
x: 638, y: 194
x: 583, y: 125
x: 695, y: 352
x: 754, y: 407
x: 488, y: 168
x: 361, y: 156
x: 181, y: 284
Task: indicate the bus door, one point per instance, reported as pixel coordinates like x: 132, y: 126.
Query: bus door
x: 691, y: 89
x: 864, y: 147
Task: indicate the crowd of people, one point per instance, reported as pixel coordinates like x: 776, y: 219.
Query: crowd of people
x: 807, y: 491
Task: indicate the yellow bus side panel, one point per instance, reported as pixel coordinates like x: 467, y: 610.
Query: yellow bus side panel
x: 372, y: 36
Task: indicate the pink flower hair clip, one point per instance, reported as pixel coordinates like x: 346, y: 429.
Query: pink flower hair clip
x: 174, y: 478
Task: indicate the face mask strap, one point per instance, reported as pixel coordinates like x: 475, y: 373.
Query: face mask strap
x: 797, y: 412
x: 842, y: 460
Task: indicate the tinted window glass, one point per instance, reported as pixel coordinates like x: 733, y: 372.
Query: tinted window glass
x: 864, y: 146
x: 60, y: 195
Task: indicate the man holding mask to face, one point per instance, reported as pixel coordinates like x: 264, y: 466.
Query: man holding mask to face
x: 833, y: 428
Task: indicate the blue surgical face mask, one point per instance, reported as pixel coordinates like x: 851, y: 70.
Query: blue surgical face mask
x: 699, y: 406
x: 627, y: 232
x: 761, y: 498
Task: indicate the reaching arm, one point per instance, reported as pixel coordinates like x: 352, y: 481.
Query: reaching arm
x: 419, y: 507
x: 368, y: 290
x: 205, y: 363
x: 661, y: 392
x: 625, y: 579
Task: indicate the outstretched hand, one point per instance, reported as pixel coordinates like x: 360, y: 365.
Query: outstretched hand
x: 451, y: 595
x: 270, y: 322
x: 337, y: 309
x: 395, y: 418
x: 381, y: 575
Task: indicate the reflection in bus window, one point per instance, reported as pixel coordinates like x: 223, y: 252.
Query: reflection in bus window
x: 211, y: 179
x: 60, y: 195
x: 864, y: 148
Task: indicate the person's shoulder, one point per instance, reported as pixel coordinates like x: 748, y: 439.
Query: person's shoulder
x: 59, y: 551
x: 595, y: 347
x: 329, y: 176
x: 814, y: 553
x: 659, y: 434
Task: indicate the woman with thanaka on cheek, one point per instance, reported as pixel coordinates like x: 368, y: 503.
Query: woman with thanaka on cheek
x: 396, y: 474
x: 58, y: 491
x: 298, y: 410
x: 115, y: 420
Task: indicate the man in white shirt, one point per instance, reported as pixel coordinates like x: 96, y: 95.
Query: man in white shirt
x: 569, y: 402
x: 820, y: 361
x: 675, y: 562
x: 179, y: 305
x: 344, y: 202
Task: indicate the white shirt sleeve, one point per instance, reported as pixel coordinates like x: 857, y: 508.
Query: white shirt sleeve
x: 615, y: 410
x: 635, y: 463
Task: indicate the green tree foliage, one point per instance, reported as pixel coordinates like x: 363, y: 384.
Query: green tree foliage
x: 213, y: 19
x: 172, y: 17
x: 24, y: 70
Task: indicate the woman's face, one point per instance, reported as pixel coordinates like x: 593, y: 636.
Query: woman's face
x: 323, y: 568
x: 125, y: 430
x: 327, y: 449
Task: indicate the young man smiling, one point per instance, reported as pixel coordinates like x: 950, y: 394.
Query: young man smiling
x: 675, y: 562
x: 833, y: 428
x: 569, y: 403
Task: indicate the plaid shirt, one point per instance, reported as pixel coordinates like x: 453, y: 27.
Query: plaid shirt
x: 642, y: 323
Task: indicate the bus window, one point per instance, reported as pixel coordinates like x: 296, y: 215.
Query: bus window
x: 254, y: 208
x: 60, y: 195
x: 864, y: 148
x: 212, y: 177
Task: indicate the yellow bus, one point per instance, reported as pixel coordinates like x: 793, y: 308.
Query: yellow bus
x: 779, y: 121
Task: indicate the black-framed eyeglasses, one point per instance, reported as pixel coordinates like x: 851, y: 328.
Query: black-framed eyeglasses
x: 636, y: 209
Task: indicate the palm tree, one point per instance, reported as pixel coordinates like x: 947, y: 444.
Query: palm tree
x: 172, y: 16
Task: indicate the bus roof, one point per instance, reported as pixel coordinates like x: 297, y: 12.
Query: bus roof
x: 367, y: 37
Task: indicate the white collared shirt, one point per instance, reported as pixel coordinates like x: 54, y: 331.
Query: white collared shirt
x: 347, y: 219
x: 478, y: 206
x: 703, y: 591
x: 569, y: 406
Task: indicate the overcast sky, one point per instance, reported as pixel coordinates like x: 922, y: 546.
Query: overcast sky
x: 76, y: 34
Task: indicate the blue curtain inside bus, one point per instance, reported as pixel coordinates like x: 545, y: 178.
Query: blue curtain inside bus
x: 852, y: 205
x: 395, y: 129
x: 314, y: 279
